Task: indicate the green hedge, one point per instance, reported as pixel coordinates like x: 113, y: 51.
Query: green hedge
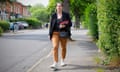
x: 33, y: 22
x: 91, y: 20
x: 1, y: 31
x: 109, y: 26
x: 4, y: 25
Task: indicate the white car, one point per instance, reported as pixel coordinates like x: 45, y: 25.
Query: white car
x: 24, y: 24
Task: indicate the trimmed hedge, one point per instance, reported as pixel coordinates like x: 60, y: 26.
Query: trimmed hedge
x: 1, y: 31
x: 109, y: 27
x: 4, y: 25
x: 33, y: 22
x: 91, y: 20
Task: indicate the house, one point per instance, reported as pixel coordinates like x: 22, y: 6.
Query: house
x: 12, y: 10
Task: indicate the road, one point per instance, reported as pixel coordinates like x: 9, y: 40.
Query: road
x: 19, y: 51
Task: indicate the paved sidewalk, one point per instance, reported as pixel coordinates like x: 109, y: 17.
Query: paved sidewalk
x: 80, y: 54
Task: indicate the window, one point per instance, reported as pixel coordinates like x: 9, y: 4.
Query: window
x: 11, y: 9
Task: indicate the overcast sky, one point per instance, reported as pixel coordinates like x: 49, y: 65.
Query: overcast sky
x: 33, y: 2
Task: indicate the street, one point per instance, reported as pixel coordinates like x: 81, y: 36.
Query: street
x: 19, y: 51
x: 93, y: 44
x: 30, y: 51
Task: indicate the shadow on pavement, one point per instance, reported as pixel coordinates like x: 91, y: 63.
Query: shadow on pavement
x: 82, y: 67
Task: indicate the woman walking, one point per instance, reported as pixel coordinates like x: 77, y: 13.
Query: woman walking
x: 60, y: 22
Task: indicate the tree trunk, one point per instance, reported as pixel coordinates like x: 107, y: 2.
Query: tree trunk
x: 66, y: 7
x: 77, y: 21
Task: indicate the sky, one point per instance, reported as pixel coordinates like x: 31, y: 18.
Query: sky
x: 33, y: 2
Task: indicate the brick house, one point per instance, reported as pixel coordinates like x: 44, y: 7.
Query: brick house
x: 14, y: 10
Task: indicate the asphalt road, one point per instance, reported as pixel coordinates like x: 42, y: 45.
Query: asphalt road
x: 19, y: 51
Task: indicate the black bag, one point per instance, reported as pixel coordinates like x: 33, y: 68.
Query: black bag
x: 64, y: 34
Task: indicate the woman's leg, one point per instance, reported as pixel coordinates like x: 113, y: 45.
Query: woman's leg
x: 55, y: 42
x: 63, y: 42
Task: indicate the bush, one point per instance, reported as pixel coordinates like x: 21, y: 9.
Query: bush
x: 91, y: 20
x: 109, y: 26
x: 4, y: 25
x: 33, y: 22
x: 1, y: 31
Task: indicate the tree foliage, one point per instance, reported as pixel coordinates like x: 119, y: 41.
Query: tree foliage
x: 91, y: 20
x: 78, y: 7
x: 52, y: 6
x: 109, y: 26
x: 36, y: 7
x: 40, y: 12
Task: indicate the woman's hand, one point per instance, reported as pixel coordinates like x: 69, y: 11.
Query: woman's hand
x: 64, y: 22
x: 62, y: 26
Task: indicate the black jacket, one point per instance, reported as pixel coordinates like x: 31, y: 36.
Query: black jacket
x: 65, y: 16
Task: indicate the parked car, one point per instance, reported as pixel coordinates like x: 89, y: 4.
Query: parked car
x: 20, y: 24
x: 23, y: 24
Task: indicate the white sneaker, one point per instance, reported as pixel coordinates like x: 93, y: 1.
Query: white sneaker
x: 62, y: 63
x: 53, y: 66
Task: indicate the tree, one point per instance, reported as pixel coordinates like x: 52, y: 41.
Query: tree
x: 36, y: 7
x: 66, y: 6
x: 51, y: 6
x: 91, y: 20
x: 40, y: 12
x: 78, y: 8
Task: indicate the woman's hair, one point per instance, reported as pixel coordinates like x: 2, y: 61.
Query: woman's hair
x: 59, y: 3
